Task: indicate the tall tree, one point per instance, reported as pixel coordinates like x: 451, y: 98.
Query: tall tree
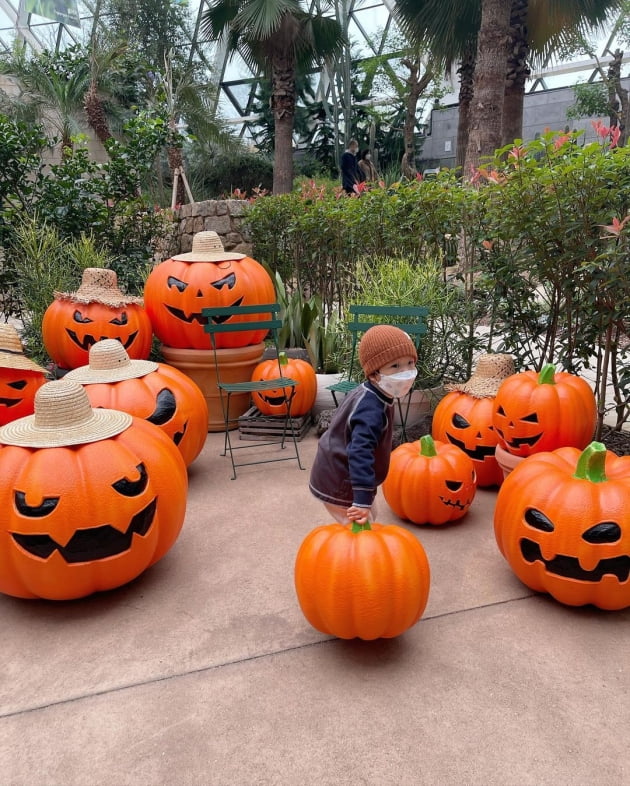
x: 280, y: 38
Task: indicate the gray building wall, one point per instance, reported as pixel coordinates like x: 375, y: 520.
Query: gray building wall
x: 542, y: 110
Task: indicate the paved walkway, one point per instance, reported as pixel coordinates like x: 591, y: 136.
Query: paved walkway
x: 204, y: 671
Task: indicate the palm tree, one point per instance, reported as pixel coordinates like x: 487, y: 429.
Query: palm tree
x: 281, y: 38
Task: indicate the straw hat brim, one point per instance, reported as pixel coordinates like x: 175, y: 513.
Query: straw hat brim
x: 482, y: 387
x: 19, y: 362
x: 105, y: 297
x: 104, y: 424
x: 209, y: 256
x: 135, y: 369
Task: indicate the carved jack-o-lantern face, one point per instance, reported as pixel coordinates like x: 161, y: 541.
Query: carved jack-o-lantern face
x: 301, y: 398
x: 69, y: 330
x: 17, y: 393
x: 562, y: 521
x: 89, y: 518
x: 165, y: 397
x: 176, y: 292
x: 466, y: 422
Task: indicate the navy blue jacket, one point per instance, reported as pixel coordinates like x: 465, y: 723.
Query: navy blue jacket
x: 349, y: 171
x: 353, y: 454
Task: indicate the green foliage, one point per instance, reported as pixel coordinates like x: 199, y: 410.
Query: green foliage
x: 591, y: 100
x: 225, y: 173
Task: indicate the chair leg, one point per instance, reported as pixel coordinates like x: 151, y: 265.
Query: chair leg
x: 228, y: 440
x: 290, y: 422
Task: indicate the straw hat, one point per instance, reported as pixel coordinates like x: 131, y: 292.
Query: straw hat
x: 63, y: 416
x: 207, y: 247
x: 99, y: 285
x: 109, y: 362
x: 487, y: 377
x: 12, y: 352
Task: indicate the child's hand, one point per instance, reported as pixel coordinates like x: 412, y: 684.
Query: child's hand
x: 360, y: 515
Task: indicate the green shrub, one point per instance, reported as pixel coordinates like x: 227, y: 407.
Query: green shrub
x: 226, y: 173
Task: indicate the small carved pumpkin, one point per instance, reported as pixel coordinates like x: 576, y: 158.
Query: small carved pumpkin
x: 466, y: 422
x: 17, y: 393
x: 367, y: 581
x: 430, y: 482
x: 302, y: 397
x: 562, y: 522
x: 534, y: 412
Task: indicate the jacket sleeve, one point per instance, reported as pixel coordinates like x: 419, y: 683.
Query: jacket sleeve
x: 366, y: 427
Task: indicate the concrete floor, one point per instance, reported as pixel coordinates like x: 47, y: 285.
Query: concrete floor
x: 204, y: 671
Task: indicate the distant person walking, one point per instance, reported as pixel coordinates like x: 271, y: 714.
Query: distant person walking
x: 350, y: 172
x: 367, y: 167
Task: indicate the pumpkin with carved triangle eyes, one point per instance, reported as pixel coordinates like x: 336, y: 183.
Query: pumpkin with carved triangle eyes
x: 176, y: 292
x: 466, y: 422
x: 430, y: 482
x: 301, y: 398
x: 166, y: 397
x: 17, y: 393
x: 90, y: 517
x: 70, y: 328
x: 562, y: 522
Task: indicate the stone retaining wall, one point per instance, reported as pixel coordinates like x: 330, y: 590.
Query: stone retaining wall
x: 224, y: 216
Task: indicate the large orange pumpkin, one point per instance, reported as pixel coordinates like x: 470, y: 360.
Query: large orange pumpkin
x: 302, y: 397
x: 82, y: 518
x: 17, y: 393
x: 534, y: 412
x: 562, y: 522
x: 430, y: 482
x: 367, y: 581
x: 466, y: 422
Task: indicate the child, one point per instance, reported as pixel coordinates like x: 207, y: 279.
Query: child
x: 353, y: 454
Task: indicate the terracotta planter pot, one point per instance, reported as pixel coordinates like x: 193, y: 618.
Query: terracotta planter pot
x: 507, y: 461
x: 235, y: 365
x: 422, y: 403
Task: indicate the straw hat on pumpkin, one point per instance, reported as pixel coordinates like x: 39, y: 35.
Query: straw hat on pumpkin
x: 486, y: 379
x: 207, y: 247
x: 12, y: 352
x: 109, y: 362
x: 63, y: 417
x: 99, y: 285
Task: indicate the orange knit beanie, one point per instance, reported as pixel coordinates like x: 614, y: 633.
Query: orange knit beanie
x: 381, y: 344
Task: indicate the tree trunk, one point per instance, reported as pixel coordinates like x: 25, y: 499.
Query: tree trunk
x: 176, y: 162
x: 283, y: 107
x: 486, y: 110
x: 416, y: 86
x: 96, y: 117
x: 466, y: 73
x: 618, y: 98
x: 518, y: 72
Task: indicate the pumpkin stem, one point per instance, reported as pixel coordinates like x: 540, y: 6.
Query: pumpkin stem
x: 427, y: 446
x: 361, y: 527
x: 592, y: 463
x: 547, y: 374
x: 283, y: 359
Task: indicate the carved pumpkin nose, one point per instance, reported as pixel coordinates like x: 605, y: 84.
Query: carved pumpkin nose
x: 199, y: 293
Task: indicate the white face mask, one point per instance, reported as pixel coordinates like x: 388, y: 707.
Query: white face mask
x: 368, y: 157
x: 397, y: 385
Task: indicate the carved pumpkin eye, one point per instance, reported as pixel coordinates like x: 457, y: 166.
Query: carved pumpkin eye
x: 538, y: 520
x: 20, y: 384
x: 454, y: 485
x: 78, y: 317
x: 171, y: 281
x: 229, y: 281
x: 459, y: 421
x: 606, y: 532
x: 46, y: 506
x: 500, y: 411
x: 165, y: 407
x: 132, y: 488
x: 121, y: 320
x: 533, y: 418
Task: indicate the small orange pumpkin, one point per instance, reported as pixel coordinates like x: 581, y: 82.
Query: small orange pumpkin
x: 20, y: 377
x: 534, y: 412
x: 302, y: 397
x: 364, y: 582
x: 562, y: 522
x: 430, y: 482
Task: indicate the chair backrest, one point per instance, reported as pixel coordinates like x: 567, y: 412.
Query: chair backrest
x: 363, y: 318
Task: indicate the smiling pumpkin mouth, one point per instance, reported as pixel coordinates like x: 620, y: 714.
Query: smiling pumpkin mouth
x: 518, y: 441
x: 570, y: 568
x: 88, y: 545
x: 9, y: 402
x: 454, y: 503
x: 197, y: 316
x: 480, y: 453
x: 89, y: 340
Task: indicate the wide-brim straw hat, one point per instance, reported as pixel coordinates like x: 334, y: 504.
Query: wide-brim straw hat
x: 207, y: 247
x: 12, y: 352
x: 109, y: 362
x: 486, y: 379
x: 63, y: 417
x: 99, y: 285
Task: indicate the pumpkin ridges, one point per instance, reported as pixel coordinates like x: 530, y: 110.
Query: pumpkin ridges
x: 303, y: 396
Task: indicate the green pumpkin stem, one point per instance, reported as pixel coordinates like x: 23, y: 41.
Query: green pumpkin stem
x: 427, y: 446
x: 592, y: 463
x: 356, y: 527
x: 547, y: 375
x: 283, y: 359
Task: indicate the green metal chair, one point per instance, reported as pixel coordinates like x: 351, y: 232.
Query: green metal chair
x: 218, y: 321
x: 411, y: 319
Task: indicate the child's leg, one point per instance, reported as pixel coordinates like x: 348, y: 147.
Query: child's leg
x: 338, y: 512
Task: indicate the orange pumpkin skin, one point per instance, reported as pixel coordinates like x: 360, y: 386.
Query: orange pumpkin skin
x: 466, y: 422
x: 367, y: 584
x: 69, y: 329
x: 176, y: 292
x: 562, y: 522
x: 271, y: 402
x: 430, y: 482
x: 107, y: 490
x: 165, y: 397
x: 539, y: 411
x: 17, y: 393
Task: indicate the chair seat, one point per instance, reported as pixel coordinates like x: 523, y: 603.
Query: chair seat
x: 264, y: 384
x: 345, y: 386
